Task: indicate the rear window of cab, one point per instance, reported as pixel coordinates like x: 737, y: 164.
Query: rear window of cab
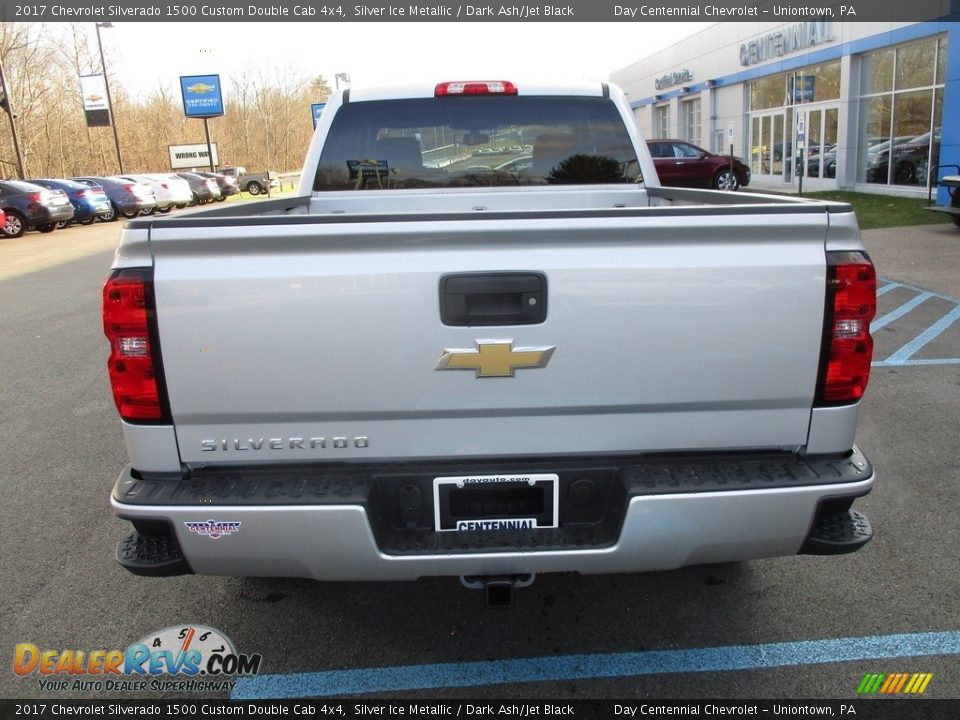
x: 476, y: 141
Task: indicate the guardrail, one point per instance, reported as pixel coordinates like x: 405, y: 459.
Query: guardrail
x: 293, y: 178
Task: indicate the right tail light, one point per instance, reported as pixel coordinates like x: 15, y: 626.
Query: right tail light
x: 847, y: 349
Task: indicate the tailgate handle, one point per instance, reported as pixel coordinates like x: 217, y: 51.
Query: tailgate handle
x: 511, y: 298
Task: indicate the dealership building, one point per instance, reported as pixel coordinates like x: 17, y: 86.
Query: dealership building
x: 866, y: 106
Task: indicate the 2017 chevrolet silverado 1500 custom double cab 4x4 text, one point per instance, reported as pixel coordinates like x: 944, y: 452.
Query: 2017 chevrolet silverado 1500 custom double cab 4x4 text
x: 425, y: 366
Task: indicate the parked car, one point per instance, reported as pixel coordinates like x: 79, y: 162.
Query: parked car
x: 912, y: 159
x: 517, y: 165
x: 161, y: 192
x: 203, y: 189
x: 31, y: 207
x: 829, y: 163
x: 228, y: 184
x: 178, y: 188
x: 253, y: 183
x: 88, y: 203
x: 878, y: 158
x: 127, y: 197
x: 679, y: 162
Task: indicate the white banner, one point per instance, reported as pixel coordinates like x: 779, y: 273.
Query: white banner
x: 94, y: 91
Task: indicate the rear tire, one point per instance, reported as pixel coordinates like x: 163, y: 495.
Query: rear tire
x: 16, y: 224
x: 905, y: 174
x: 726, y: 180
x: 254, y: 188
x: 109, y: 216
x: 87, y: 221
x: 47, y: 227
x: 956, y: 220
x: 194, y: 200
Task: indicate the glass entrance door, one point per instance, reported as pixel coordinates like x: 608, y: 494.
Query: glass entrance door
x: 769, y: 145
x: 818, y: 158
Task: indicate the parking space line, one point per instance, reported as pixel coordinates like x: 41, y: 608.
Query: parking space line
x: 928, y: 335
x: 595, y: 666
x: 899, y: 312
x: 916, y: 363
x: 908, y: 286
x: 887, y: 288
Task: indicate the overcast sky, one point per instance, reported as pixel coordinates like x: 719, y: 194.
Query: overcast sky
x: 143, y: 54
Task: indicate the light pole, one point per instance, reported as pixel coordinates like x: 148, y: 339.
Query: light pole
x: 106, y: 84
x: 8, y: 106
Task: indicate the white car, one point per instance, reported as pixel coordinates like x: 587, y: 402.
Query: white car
x: 178, y: 188
x: 160, y: 191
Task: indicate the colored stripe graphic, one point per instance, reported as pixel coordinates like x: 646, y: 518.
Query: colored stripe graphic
x: 601, y: 665
x: 894, y: 684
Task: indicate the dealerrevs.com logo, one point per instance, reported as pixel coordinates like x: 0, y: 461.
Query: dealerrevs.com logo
x: 179, y: 659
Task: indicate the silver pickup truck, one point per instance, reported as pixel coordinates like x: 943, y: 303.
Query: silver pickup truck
x: 439, y: 361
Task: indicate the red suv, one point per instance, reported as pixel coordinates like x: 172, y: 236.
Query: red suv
x: 681, y: 163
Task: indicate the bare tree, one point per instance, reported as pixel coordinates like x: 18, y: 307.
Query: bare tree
x: 266, y: 123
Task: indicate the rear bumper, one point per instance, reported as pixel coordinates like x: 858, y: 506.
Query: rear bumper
x: 130, y: 205
x: 341, y: 524
x: 49, y: 214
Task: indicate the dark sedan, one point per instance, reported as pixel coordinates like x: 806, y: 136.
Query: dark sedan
x: 127, y: 198
x: 88, y: 203
x: 204, y: 189
x: 228, y: 185
x: 30, y: 207
x: 681, y: 163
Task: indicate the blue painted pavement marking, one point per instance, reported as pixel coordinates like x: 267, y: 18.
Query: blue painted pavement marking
x: 601, y: 665
x: 904, y: 356
x: 887, y: 288
x: 928, y: 335
x: 908, y: 286
x: 899, y: 312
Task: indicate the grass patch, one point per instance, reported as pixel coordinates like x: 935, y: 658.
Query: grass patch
x: 883, y: 211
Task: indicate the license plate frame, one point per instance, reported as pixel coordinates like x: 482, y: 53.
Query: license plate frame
x: 492, y: 489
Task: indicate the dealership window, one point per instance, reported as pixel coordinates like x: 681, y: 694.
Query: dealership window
x: 816, y: 83
x: 900, y: 113
x: 661, y: 120
x: 690, y: 114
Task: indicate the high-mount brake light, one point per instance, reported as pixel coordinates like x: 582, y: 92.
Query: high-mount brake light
x: 133, y: 365
x: 475, y: 87
x: 847, y: 345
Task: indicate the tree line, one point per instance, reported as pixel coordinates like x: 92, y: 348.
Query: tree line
x: 266, y: 125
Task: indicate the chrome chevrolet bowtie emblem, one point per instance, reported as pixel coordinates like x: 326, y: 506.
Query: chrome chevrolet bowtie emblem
x: 494, y: 358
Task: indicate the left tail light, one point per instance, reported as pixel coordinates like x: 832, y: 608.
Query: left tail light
x: 134, y: 366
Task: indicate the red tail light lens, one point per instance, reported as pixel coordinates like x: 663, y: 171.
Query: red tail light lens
x: 847, y: 344
x: 80, y: 193
x: 133, y: 365
x: 475, y: 87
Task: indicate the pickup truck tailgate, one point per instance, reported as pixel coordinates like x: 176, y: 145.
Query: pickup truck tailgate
x: 306, y: 341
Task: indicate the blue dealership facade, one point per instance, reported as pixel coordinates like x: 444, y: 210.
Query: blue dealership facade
x: 866, y: 106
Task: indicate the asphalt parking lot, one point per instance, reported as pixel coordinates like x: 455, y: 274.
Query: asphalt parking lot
x: 783, y: 628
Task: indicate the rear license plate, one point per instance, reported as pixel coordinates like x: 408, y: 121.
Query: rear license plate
x: 477, y: 503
